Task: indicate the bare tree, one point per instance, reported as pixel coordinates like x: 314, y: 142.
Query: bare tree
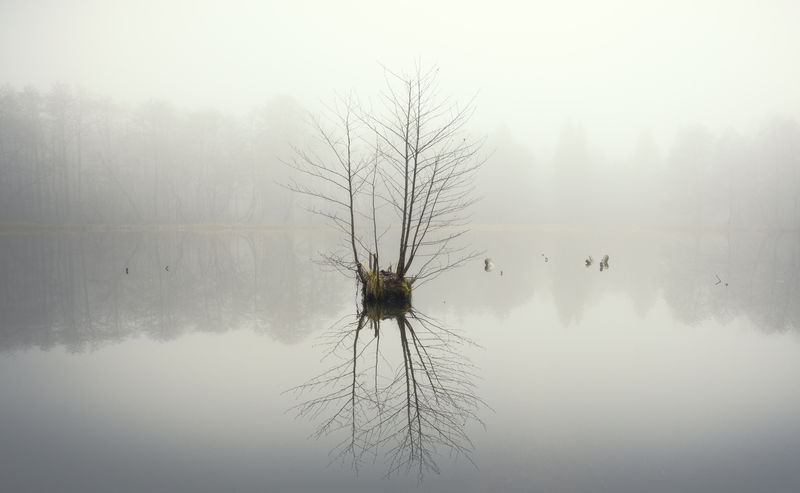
x: 339, y: 174
x: 410, y: 152
x: 428, y: 168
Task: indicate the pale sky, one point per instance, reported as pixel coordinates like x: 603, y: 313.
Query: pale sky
x: 618, y: 69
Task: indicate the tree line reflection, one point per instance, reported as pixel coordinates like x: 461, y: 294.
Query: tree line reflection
x: 71, y: 289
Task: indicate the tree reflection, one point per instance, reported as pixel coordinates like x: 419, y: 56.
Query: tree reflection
x: 86, y: 290
x: 71, y: 289
x: 410, y: 406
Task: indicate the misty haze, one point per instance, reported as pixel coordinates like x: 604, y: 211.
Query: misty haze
x: 445, y: 246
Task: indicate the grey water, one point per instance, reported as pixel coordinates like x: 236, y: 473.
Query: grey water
x: 165, y: 361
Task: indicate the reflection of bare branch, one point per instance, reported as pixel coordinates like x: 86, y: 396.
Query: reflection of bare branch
x: 413, y: 405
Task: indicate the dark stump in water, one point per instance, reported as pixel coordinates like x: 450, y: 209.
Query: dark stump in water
x: 387, y: 289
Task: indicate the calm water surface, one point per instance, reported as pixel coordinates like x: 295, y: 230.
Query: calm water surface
x: 675, y: 369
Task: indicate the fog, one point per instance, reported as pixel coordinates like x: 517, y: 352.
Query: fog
x: 618, y: 69
x: 70, y: 157
x: 164, y: 280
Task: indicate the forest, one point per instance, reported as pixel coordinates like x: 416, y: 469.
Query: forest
x: 72, y: 158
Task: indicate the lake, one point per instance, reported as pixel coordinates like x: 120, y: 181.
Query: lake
x: 193, y: 361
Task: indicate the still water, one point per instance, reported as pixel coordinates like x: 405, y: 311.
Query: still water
x: 226, y: 362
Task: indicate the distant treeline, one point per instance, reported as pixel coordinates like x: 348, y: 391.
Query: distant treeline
x: 725, y: 180
x: 67, y: 157
x: 70, y: 158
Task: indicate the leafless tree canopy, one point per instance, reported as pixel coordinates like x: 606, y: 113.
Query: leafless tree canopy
x: 410, y: 151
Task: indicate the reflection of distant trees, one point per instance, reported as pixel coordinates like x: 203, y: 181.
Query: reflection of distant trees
x: 72, y: 289
x: 760, y: 279
x: 762, y: 271
x: 413, y: 406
